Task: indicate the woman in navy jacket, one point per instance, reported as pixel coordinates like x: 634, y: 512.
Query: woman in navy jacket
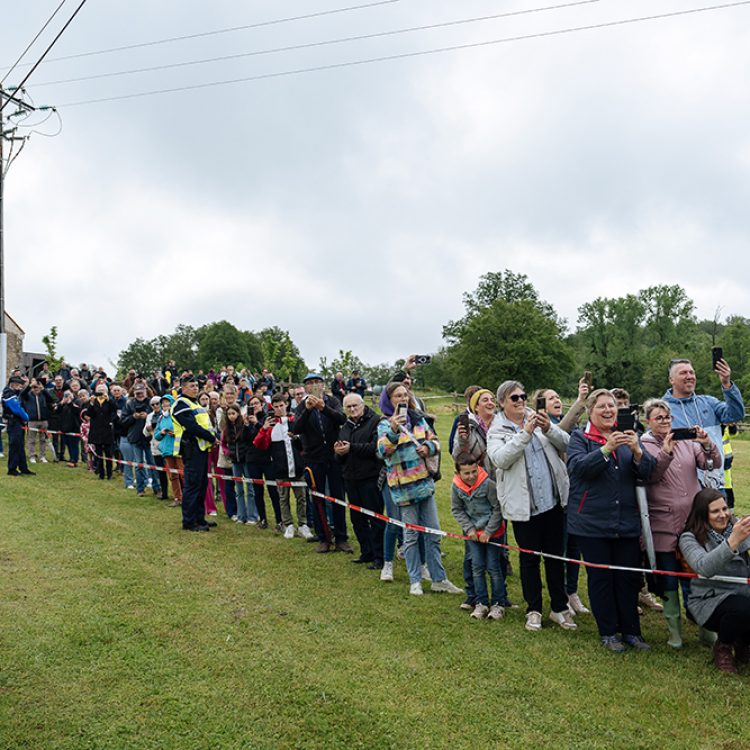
x: 603, y: 464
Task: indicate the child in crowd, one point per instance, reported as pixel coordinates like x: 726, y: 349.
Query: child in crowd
x: 475, y: 506
x: 234, y: 445
x: 287, y: 465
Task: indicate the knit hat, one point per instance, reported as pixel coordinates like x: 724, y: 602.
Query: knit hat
x: 474, y: 400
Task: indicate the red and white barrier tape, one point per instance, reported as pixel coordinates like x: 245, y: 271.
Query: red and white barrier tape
x: 422, y: 529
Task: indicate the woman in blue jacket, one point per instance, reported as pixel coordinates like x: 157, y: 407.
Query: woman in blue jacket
x: 603, y: 464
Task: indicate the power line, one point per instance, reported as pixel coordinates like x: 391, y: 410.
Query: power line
x: 404, y: 55
x: 44, y: 54
x: 310, y: 45
x: 31, y: 43
x: 199, y: 35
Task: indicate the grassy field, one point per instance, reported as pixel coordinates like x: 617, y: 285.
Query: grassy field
x: 120, y: 631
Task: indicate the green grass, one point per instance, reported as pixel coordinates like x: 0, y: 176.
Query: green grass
x: 120, y: 631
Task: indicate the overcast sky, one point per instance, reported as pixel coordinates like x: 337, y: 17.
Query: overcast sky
x: 354, y: 206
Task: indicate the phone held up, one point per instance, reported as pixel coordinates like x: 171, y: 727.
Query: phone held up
x: 401, y: 411
x: 588, y: 378
x: 463, y: 420
x: 625, y: 419
x: 684, y: 433
x: 422, y: 359
x: 717, y: 353
x: 541, y: 404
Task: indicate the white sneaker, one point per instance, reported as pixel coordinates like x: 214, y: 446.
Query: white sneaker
x: 497, y: 612
x: 446, y: 587
x: 42, y: 460
x: 289, y: 532
x: 426, y: 573
x: 386, y: 572
x: 533, y: 621
x: 32, y: 460
x: 304, y: 532
x: 563, y: 619
x: 130, y: 487
x: 416, y: 589
x: 576, y: 606
x: 480, y: 611
x: 213, y: 513
x: 234, y: 518
x: 251, y: 523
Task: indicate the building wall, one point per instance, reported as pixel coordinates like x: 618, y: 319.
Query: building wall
x: 15, y: 344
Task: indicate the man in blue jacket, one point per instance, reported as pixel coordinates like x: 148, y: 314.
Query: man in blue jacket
x: 16, y: 388
x: 708, y: 412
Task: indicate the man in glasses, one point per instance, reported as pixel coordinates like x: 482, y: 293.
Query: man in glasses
x: 692, y: 410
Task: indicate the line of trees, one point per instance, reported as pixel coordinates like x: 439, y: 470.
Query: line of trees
x: 507, y: 331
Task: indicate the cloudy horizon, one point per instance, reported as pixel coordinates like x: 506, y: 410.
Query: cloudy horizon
x: 355, y: 206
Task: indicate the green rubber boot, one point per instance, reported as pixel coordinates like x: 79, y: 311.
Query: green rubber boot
x: 673, y: 618
x: 707, y: 637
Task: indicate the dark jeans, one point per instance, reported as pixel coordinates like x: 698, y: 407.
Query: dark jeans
x: 163, y: 479
x: 613, y: 594
x: 731, y: 619
x: 72, y: 443
x: 331, y: 471
x: 573, y: 551
x: 103, y: 452
x: 368, y: 530
x: 264, y: 470
x: 194, y: 489
x: 58, y: 445
x: 545, y: 534
x: 16, y: 448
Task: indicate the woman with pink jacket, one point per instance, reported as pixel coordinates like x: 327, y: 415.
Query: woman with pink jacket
x: 670, y: 492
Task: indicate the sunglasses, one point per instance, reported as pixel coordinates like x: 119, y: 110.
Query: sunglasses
x: 516, y: 397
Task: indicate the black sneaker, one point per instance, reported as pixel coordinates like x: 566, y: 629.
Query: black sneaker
x: 636, y: 642
x: 263, y: 524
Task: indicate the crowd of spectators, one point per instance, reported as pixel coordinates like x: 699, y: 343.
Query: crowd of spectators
x: 591, y: 482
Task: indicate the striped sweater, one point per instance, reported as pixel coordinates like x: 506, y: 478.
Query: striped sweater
x: 408, y: 478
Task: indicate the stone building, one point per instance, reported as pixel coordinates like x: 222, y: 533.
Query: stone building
x: 15, y: 345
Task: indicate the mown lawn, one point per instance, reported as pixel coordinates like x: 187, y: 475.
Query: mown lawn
x: 120, y: 631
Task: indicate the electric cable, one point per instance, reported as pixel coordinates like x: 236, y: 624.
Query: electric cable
x: 44, y: 54
x: 199, y: 35
x: 31, y: 43
x: 310, y: 45
x: 404, y: 55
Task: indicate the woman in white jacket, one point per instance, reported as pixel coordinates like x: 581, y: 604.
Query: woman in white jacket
x: 532, y: 487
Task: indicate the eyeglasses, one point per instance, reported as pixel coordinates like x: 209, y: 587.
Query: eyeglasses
x: 516, y: 397
x: 661, y: 419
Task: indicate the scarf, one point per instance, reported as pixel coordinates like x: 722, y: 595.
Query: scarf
x: 719, y: 537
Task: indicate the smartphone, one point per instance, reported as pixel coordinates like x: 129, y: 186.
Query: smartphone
x: 423, y: 359
x: 717, y: 353
x: 541, y: 404
x: 463, y: 420
x: 684, y: 433
x: 401, y: 410
x: 588, y: 378
x: 625, y: 419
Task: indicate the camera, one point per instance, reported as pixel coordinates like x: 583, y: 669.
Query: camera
x: 423, y: 359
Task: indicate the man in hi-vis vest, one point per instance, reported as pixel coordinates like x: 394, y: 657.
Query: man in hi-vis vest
x: 193, y: 438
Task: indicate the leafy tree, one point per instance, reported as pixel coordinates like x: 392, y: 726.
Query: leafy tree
x: 499, y: 285
x: 220, y: 344
x: 142, y: 356
x: 510, y: 340
x: 280, y: 354
x: 345, y: 362
x: 54, y: 360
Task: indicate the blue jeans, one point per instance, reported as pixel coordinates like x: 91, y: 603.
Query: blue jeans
x: 394, y: 534
x: 423, y: 513
x: 471, y: 594
x: 246, y: 508
x: 486, y: 558
x: 72, y: 443
x: 140, y: 455
x: 127, y: 455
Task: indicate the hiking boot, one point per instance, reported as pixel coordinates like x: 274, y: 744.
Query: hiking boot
x: 344, y: 547
x: 724, y: 658
x: 613, y: 643
x: 648, y: 600
x: 323, y: 547
x: 636, y: 642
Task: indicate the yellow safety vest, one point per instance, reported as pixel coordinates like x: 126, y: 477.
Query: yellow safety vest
x: 727, y: 452
x: 201, y: 417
